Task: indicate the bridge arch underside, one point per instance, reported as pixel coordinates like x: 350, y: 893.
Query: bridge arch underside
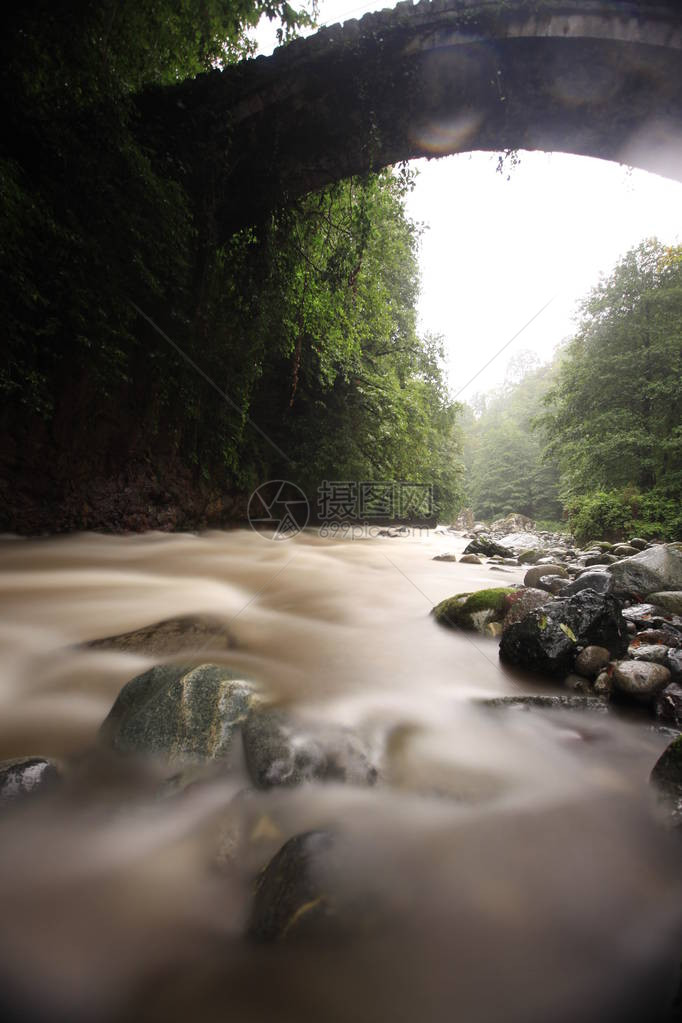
x: 319, y: 111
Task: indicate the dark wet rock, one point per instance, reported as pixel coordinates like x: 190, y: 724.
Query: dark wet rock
x: 280, y: 750
x: 654, y: 652
x: 291, y: 899
x: 666, y: 777
x: 638, y: 543
x: 26, y: 776
x: 448, y: 557
x: 534, y: 574
x: 591, y: 660
x: 470, y: 559
x: 674, y: 664
x: 521, y: 601
x: 547, y: 638
x: 572, y: 702
x: 670, y: 600
x: 182, y: 715
x: 473, y: 611
x: 171, y: 636
x: 668, y: 704
x: 600, y: 582
x: 553, y: 584
x: 484, y: 545
x: 640, y: 680
x: 653, y: 570
x: 600, y: 545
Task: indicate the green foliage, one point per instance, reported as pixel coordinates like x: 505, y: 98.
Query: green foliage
x: 613, y: 417
x: 502, y: 453
x: 619, y: 514
x: 293, y: 347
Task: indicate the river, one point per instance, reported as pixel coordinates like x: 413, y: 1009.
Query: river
x: 515, y: 856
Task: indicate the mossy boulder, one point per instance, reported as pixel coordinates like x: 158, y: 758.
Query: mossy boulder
x: 180, y: 715
x: 474, y: 611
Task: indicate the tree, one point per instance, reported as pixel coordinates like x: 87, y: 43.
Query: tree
x: 613, y: 417
x: 502, y: 452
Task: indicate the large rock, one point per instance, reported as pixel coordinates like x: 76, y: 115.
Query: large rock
x: 484, y: 545
x: 182, y: 715
x: 171, y: 636
x: 535, y: 574
x: 280, y: 750
x: 547, y: 639
x: 670, y: 600
x: 291, y: 900
x: 653, y: 570
x: 26, y: 776
x: 474, y: 611
x: 640, y: 679
x: 521, y: 601
x: 600, y: 582
x: 667, y: 779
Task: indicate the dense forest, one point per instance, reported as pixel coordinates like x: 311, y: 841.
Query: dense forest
x: 595, y: 437
x: 152, y: 376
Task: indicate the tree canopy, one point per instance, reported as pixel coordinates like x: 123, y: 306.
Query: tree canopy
x: 614, y: 416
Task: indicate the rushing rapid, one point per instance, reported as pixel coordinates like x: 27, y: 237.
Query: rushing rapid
x: 511, y: 863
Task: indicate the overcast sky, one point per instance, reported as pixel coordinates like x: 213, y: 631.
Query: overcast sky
x: 495, y: 251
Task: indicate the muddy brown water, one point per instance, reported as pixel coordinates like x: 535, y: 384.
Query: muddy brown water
x: 517, y: 857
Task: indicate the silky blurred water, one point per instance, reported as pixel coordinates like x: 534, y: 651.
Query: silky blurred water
x: 517, y: 859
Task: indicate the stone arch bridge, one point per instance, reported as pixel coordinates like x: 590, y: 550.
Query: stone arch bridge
x: 593, y: 77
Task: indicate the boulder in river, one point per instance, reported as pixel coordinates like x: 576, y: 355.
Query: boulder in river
x: 474, y: 611
x: 673, y: 663
x: 666, y: 777
x: 26, y: 776
x: 183, y: 715
x: 280, y: 750
x: 535, y: 574
x: 640, y: 680
x: 547, y: 638
x: 470, y: 559
x: 653, y: 570
x: 448, y: 557
x: 484, y: 545
x: 290, y: 899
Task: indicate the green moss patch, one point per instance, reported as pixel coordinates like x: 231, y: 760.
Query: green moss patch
x: 473, y: 610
